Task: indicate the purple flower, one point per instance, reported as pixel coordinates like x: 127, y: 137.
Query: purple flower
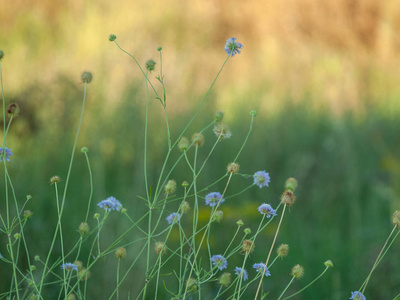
x: 5, y: 153
x: 174, y: 217
x: 357, y: 296
x: 241, y: 272
x: 110, y: 204
x: 260, y: 268
x: 69, y: 267
x: 261, y: 178
x: 212, y: 199
x: 267, y: 209
x: 232, y: 47
x: 219, y: 261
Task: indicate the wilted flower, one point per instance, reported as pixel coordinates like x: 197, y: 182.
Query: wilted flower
x: 219, y: 261
x: 267, y: 209
x: 174, y: 217
x: 232, y: 47
x: 110, y: 204
x: 5, y: 153
x: 261, y: 178
x: 212, y: 199
x: 241, y: 272
x: 260, y: 267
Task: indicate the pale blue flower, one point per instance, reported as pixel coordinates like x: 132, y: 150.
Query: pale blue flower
x: 267, y: 209
x: 232, y: 47
x: 260, y: 268
x: 219, y: 261
x: 174, y: 217
x: 261, y: 178
x: 5, y: 152
x: 110, y: 204
x: 212, y: 199
x: 69, y: 267
x: 357, y: 296
x: 241, y: 272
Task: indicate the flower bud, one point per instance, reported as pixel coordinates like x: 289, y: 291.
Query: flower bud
x: 87, y: 77
x: 283, y: 250
x: 37, y: 258
x: 396, y: 218
x: 84, y: 228
x: 253, y: 113
x: 13, y: 110
x: 183, y: 144
x: 55, y: 179
x: 185, y: 184
x: 233, y: 168
x: 32, y: 267
x: 288, y: 197
x: 291, y: 184
x: 150, y: 65
x: 28, y: 197
x: 28, y: 214
x: 34, y: 297
x: 218, y: 116
x: 297, y: 271
x: 240, y: 223
x: 84, y: 150
x: 120, y: 253
x: 17, y: 236
x: 159, y: 48
x: 218, y: 216
x: 1, y: 54
x: 71, y: 297
x: 96, y: 216
x: 170, y: 187
x: 160, y: 248
x: 123, y: 210
x: 185, y: 207
x: 328, y: 263
x: 198, y: 139
x: 248, y: 246
x: 112, y: 37
x: 225, y: 279
x: 247, y: 231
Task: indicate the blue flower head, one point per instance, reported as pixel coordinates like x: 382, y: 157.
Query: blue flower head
x: 219, y: 261
x: 174, y: 217
x: 212, y: 199
x: 5, y: 153
x: 110, y: 204
x: 69, y: 267
x: 232, y: 47
x: 357, y: 296
x: 260, y: 268
x: 261, y: 178
x: 241, y: 272
x: 267, y: 209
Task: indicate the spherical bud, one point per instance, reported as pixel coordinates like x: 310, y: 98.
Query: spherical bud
x: 222, y: 131
x: 185, y: 207
x: 112, y: 37
x: 225, y: 279
x: 233, y: 168
x: 159, y: 48
x: 28, y: 197
x: 13, y: 110
x: 120, y: 253
x: 83, y: 274
x: 297, y: 271
x: 240, y: 223
x: 87, y: 77
x: 160, y: 248
x: 247, y: 231
x: 185, y: 184
x: 396, y: 218
x: 17, y: 236
x: 288, y: 197
x: 248, y: 246
x: 1, y: 54
x: 55, y: 179
x: 123, y: 210
x: 30, y: 282
x: 283, y: 250
x: 96, y: 216
x: 218, y: 116
x: 71, y: 297
x: 79, y: 264
x: 84, y: 228
x: 291, y: 184
x: 84, y: 150
x: 150, y: 65
x: 32, y: 267
x: 198, y: 139
x: 37, y: 258
x: 34, y: 297
x: 328, y: 263
x: 191, y: 285
x: 170, y: 187
x: 253, y: 113
x: 183, y: 144
x: 28, y: 214
x: 218, y: 216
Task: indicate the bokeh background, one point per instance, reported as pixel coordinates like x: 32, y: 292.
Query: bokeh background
x: 322, y: 75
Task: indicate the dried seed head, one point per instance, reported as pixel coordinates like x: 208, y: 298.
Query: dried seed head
x: 170, y: 187
x: 248, y: 246
x: 183, y: 144
x: 13, y: 110
x: 160, y: 248
x: 283, y: 250
x: 120, y: 253
x: 198, y: 139
x: 55, y: 179
x: 233, y: 168
x: 396, y: 218
x: 185, y: 207
x: 288, y: 197
x: 297, y: 271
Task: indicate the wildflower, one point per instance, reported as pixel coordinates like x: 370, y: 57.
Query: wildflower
x: 160, y: 248
x: 288, y: 198
x: 248, y: 246
x: 357, y: 296
x: 225, y: 279
x: 198, y: 139
x: 87, y: 77
x: 112, y: 37
x: 69, y: 267
x: 233, y: 168
x: 120, y: 252
x: 232, y: 47
x: 214, y: 198
x: 261, y: 178
x: 297, y: 271
x: 291, y: 184
x: 110, y: 204
x: 170, y: 187
x: 222, y: 131
x: 241, y: 272
x: 5, y: 153
x: 267, y: 209
x: 13, y: 110
x: 260, y: 267
x: 150, y: 65
x: 174, y: 217
x: 283, y: 250
x: 219, y: 261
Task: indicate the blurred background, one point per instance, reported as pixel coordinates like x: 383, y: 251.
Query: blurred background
x: 322, y: 75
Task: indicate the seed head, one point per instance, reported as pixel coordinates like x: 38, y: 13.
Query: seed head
x: 112, y: 37
x: 55, y: 179
x: 13, y: 110
x: 218, y: 215
x: 291, y: 184
x: 248, y: 246
x: 297, y: 271
x: 87, y: 77
x: 288, y: 197
x: 84, y: 228
x: 120, y: 253
x: 233, y: 168
x: 222, y: 131
x: 225, y: 279
x: 185, y: 207
x: 198, y: 139
x: 283, y: 250
x: 183, y: 144
x: 160, y: 248
x: 170, y: 187
x: 83, y: 274
x: 71, y: 297
x: 396, y: 218
x: 28, y: 214
x: 150, y: 65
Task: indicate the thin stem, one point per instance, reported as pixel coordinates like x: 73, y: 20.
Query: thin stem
x: 291, y: 281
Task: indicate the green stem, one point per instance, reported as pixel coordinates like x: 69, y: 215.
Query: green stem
x: 291, y: 281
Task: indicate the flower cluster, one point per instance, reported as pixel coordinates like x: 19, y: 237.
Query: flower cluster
x: 212, y: 199
x: 110, y: 204
x: 357, y: 296
x: 260, y: 267
x: 5, y: 153
x: 174, y: 217
x: 69, y: 267
x: 219, y: 261
x: 241, y: 272
x: 232, y: 47
x: 261, y: 178
x: 267, y: 209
